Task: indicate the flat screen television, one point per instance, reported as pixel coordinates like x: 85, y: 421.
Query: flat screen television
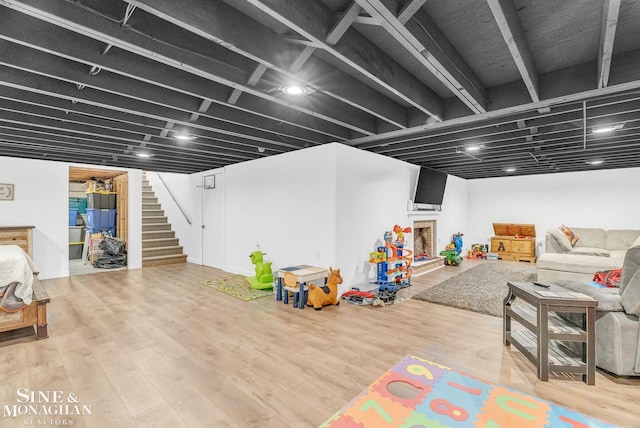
x: 430, y: 189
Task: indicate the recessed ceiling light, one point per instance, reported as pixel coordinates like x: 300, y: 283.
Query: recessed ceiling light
x: 144, y: 154
x: 607, y: 128
x: 474, y: 147
x: 296, y: 90
x: 595, y: 162
x: 510, y: 169
x: 184, y: 137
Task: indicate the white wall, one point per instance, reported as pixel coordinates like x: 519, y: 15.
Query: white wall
x: 41, y: 200
x: 607, y: 199
x: 328, y: 205
x: 372, y: 192
x: 283, y: 203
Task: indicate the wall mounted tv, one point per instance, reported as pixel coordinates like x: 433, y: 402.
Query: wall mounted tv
x: 429, y: 189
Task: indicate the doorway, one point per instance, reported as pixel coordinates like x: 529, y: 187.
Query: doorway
x: 213, y: 221
x: 98, y: 203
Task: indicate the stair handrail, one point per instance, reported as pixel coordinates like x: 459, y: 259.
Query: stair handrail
x: 173, y: 197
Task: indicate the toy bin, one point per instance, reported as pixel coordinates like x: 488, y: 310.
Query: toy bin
x: 94, y: 218
x: 73, y: 214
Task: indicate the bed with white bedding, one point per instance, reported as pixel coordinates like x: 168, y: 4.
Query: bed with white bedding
x: 23, y: 299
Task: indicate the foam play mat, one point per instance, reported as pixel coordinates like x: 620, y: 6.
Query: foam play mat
x: 418, y: 393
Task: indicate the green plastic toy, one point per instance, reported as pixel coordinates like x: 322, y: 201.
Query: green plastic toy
x: 451, y: 257
x: 264, y: 277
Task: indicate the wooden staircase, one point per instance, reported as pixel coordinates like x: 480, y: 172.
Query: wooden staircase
x: 159, y: 243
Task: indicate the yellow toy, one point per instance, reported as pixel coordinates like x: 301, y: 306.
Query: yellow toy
x: 320, y: 296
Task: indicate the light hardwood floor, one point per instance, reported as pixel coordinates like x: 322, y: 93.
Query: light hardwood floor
x: 152, y: 347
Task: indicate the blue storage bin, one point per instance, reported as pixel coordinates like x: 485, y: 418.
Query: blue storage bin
x: 107, y: 219
x: 94, y: 218
x: 73, y: 214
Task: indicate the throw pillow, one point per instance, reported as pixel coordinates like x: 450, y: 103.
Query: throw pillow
x: 561, y: 239
x: 573, y: 238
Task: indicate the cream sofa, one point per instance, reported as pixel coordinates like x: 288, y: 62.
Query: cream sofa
x: 596, y: 250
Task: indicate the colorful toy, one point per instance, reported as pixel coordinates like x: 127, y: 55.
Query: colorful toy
x: 421, y: 393
x: 357, y: 297
x: 264, y: 277
x: 319, y: 296
x: 457, y: 241
x: 393, y: 263
x: 451, y: 257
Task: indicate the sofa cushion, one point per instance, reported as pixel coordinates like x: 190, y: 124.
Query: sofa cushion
x: 575, y: 263
x: 630, y: 282
x: 621, y: 239
x: 608, y: 298
x: 561, y: 238
x: 589, y: 251
x: 590, y: 237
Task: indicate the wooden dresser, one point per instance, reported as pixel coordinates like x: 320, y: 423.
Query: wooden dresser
x: 21, y: 236
x: 515, y: 242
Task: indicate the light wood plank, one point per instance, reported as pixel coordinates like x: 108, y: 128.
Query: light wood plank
x: 153, y: 347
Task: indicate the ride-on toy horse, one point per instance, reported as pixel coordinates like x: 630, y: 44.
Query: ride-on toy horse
x: 320, y: 296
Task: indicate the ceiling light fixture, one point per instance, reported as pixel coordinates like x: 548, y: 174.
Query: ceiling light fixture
x: 296, y: 90
x: 184, y: 137
x: 465, y: 152
x: 607, y: 128
x: 144, y: 154
x: 474, y: 147
x: 510, y: 169
x: 595, y: 162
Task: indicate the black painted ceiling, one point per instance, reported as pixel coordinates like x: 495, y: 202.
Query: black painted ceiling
x: 98, y: 81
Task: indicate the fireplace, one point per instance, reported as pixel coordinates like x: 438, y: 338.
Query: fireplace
x: 424, y: 237
x: 425, y: 244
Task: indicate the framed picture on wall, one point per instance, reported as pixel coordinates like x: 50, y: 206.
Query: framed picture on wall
x: 6, y: 192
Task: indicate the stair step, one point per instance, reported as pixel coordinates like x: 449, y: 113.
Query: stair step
x: 153, y: 219
x: 152, y: 212
x: 158, y: 234
x: 164, y: 260
x: 151, y: 206
x: 160, y: 242
x: 149, y: 200
x: 148, y: 194
x: 150, y: 227
x: 161, y: 251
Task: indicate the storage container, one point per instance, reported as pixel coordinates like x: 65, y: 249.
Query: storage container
x: 107, y: 219
x: 75, y: 250
x: 76, y: 234
x: 109, y: 200
x: 94, y: 218
x: 78, y: 203
x: 73, y: 214
x: 94, y: 200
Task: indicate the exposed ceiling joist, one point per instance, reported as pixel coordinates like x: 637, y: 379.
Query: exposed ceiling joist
x: 610, y: 12
x: 375, y: 66
x: 433, y: 59
x: 507, y: 20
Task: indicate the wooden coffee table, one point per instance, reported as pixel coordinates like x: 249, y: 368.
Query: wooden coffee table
x: 541, y: 324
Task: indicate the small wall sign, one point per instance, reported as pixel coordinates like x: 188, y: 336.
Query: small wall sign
x: 6, y: 192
